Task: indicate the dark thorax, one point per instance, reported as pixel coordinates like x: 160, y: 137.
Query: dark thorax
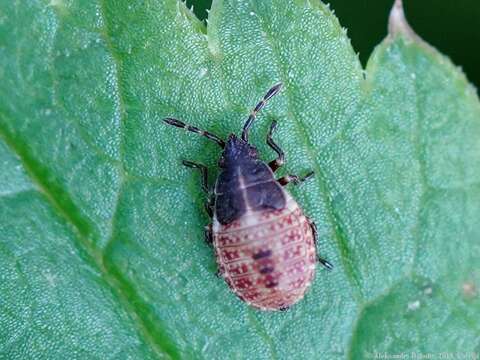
x: 245, y: 183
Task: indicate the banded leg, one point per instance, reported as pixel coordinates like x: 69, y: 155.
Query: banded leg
x: 209, y: 206
x: 326, y: 264
x: 295, y: 179
x: 279, y: 161
x: 208, y: 234
x: 203, y: 170
x: 208, y: 135
x: 270, y: 93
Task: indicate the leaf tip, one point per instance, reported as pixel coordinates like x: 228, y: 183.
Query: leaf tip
x: 398, y: 24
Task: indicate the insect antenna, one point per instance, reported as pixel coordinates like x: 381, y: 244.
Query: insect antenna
x: 208, y: 135
x: 270, y: 93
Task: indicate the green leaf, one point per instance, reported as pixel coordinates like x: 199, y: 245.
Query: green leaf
x: 101, y: 228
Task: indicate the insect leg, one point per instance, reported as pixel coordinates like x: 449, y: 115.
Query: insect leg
x: 321, y: 260
x: 270, y: 93
x: 182, y: 125
x: 275, y: 164
x: 295, y: 179
x: 203, y: 169
x: 209, y: 206
x: 208, y: 234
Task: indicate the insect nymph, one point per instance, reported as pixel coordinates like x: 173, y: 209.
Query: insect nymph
x: 265, y: 246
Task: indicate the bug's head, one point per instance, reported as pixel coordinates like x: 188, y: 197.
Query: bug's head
x: 236, y: 150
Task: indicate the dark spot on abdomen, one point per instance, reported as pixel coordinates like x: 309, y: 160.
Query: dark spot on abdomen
x: 262, y: 254
x: 271, y: 284
x: 266, y: 269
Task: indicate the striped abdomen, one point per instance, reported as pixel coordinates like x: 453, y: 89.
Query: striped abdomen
x: 267, y: 257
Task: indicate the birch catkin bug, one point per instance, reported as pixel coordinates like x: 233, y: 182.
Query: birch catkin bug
x: 265, y: 246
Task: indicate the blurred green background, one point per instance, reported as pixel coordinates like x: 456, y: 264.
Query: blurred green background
x: 450, y: 26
